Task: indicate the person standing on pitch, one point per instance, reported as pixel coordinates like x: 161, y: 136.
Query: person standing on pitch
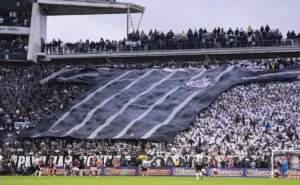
x: 100, y: 165
x: 198, y: 164
x: 75, y: 169
x: 144, y: 167
x: 93, y: 166
x: 81, y: 166
x: 68, y: 165
x: 284, y: 169
x: 39, y: 163
x: 52, y: 167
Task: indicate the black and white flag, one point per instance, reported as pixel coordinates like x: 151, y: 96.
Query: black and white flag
x: 151, y: 104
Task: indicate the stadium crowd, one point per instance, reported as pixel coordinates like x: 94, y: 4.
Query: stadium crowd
x: 13, y: 44
x: 158, y: 40
x: 15, y: 18
x: 251, y: 119
x: 245, y: 120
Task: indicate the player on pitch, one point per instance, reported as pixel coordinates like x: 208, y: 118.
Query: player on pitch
x: 100, y: 165
x: 276, y: 170
x: 214, y: 166
x: 144, y: 167
x: 199, y: 166
x: 81, y: 166
x: 93, y: 166
x: 284, y: 169
x: 68, y: 165
x: 75, y: 169
x: 39, y: 163
x: 52, y: 167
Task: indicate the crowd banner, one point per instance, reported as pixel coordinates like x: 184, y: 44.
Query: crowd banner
x: 183, y: 172
x: 157, y: 161
x: 14, y: 30
x: 22, y: 124
x: 152, y: 100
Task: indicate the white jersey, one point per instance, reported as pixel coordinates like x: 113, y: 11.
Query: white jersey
x: 145, y: 164
x: 68, y: 162
x: 1, y: 157
x: 199, y: 159
x: 36, y: 161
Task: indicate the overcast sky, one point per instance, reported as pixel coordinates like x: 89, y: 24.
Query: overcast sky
x: 179, y: 16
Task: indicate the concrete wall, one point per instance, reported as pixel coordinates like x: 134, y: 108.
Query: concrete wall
x: 38, y: 30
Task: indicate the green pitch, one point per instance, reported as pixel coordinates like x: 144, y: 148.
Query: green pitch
x: 141, y: 181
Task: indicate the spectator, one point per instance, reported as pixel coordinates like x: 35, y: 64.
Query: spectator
x: 234, y: 124
x: 176, y: 164
x: 223, y: 164
x: 13, y: 44
x: 15, y: 18
x: 253, y: 164
x: 267, y: 29
x: 169, y: 163
x: 157, y: 40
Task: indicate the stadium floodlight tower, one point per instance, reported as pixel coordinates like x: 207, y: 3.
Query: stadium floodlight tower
x: 293, y: 160
x: 43, y: 8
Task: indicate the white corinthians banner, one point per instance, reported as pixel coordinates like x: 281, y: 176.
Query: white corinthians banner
x: 14, y: 30
x: 156, y: 161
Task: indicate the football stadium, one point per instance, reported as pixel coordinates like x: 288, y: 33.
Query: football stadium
x: 151, y: 101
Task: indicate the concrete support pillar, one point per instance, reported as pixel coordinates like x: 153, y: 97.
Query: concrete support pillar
x: 38, y: 31
x: 128, y: 19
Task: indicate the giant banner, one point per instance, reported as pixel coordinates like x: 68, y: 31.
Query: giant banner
x: 151, y: 104
x: 156, y: 161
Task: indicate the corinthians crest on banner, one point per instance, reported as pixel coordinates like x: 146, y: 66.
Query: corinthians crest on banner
x: 201, y: 83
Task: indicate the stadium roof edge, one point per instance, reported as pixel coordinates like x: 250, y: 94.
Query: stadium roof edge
x: 64, y: 7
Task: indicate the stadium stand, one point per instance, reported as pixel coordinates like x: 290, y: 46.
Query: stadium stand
x: 250, y: 119
x: 13, y: 44
x: 197, y: 39
x: 15, y: 18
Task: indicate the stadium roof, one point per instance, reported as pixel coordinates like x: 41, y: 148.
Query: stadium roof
x: 88, y: 7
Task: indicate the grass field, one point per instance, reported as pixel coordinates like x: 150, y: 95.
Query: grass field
x: 141, y: 181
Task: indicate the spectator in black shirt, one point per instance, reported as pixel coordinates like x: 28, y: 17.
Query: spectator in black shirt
x: 293, y: 35
x: 200, y: 33
x: 288, y: 35
x: 262, y: 29
x: 267, y: 29
x: 195, y: 35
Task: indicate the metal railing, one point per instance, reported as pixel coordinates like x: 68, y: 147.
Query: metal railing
x: 162, y: 46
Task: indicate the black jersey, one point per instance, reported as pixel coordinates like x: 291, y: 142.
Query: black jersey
x: 81, y: 164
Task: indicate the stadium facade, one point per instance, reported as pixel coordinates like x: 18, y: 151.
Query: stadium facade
x: 14, y: 31
x: 37, y: 35
x: 41, y: 9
